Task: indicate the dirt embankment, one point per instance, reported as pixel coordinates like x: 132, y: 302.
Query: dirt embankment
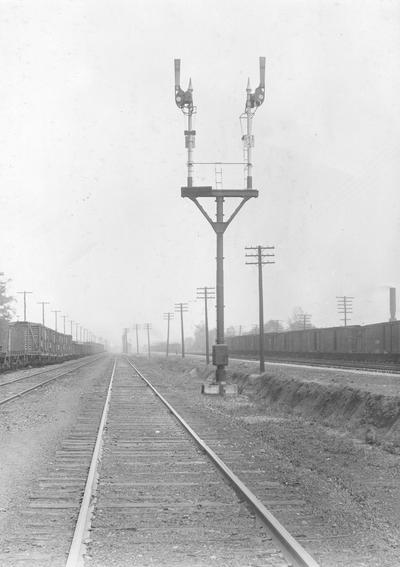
x: 372, y: 417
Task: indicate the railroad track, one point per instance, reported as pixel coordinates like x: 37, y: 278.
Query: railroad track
x: 136, y: 486
x: 13, y: 389
x: 389, y: 369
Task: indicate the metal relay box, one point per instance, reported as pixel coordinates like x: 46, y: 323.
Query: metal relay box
x: 220, y: 355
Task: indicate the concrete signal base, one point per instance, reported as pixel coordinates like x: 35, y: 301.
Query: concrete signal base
x: 219, y: 389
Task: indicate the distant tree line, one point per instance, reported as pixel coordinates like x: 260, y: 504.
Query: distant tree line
x: 6, y: 301
x: 298, y: 320
x: 6, y: 310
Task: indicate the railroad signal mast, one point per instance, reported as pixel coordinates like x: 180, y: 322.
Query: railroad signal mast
x: 258, y: 253
x: 345, y: 307
x: 184, y: 101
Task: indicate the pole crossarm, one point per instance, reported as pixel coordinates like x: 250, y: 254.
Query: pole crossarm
x: 193, y: 193
x: 345, y: 306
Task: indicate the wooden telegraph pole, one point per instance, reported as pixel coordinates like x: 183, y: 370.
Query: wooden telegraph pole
x: 260, y: 262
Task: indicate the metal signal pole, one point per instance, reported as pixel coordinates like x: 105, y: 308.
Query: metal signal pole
x: 25, y: 294
x: 167, y: 317
x: 43, y: 303
x: 184, y: 101
x: 182, y: 308
x: 260, y: 263
x: 345, y: 306
x: 206, y: 293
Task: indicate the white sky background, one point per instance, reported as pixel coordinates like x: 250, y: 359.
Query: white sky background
x: 92, y: 156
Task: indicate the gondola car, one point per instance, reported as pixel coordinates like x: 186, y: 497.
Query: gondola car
x: 375, y: 342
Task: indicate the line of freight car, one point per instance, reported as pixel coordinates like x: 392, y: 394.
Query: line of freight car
x: 378, y: 342
x: 24, y: 343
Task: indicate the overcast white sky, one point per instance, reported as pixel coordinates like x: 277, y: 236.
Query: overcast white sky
x: 92, y: 156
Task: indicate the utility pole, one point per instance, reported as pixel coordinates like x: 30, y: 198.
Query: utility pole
x: 148, y: 327
x: 305, y: 320
x: 25, y: 294
x: 76, y: 331
x: 345, y: 306
x: 43, y: 303
x: 206, y: 293
x: 125, y: 341
x: 392, y: 296
x: 64, y: 318
x: 137, y: 338
x: 184, y: 101
x: 182, y: 308
x: 72, y: 322
x: 167, y: 317
x: 55, y: 311
x: 260, y: 256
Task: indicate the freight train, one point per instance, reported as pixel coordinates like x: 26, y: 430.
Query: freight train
x: 31, y: 344
x: 376, y: 342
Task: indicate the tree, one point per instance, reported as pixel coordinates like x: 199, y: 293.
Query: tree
x: 6, y: 310
x: 230, y: 331
x: 199, y: 341
x: 273, y: 326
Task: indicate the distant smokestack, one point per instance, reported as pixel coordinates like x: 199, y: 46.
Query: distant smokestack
x: 392, y: 304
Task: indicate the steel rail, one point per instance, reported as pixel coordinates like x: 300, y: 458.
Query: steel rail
x: 38, y: 373
x: 324, y: 366
x: 311, y: 364
x: 19, y: 394
x: 76, y: 551
x: 290, y: 548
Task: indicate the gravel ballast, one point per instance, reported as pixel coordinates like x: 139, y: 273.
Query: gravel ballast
x: 349, y: 484
x: 32, y: 429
